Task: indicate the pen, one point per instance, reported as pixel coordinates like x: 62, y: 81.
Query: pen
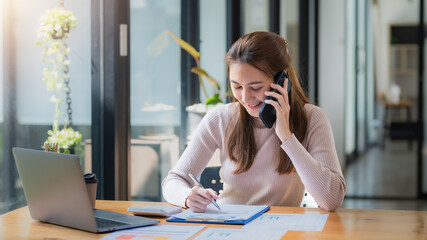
x: 199, y: 184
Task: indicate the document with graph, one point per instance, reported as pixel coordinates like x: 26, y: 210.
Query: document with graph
x: 229, y: 214
x: 162, y: 231
x: 239, y: 233
x: 291, y: 222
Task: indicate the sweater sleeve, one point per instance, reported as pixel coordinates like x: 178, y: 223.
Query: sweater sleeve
x: 318, y: 165
x: 205, y: 140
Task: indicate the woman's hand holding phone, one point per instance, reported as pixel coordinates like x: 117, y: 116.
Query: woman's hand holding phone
x: 282, y: 108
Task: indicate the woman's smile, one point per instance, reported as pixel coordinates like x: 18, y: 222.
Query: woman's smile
x: 255, y: 106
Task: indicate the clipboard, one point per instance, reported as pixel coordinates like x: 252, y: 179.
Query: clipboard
x: 231, y: 214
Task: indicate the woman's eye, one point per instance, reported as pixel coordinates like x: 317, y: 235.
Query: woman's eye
x: 237, y: 87
x: 257, y: 89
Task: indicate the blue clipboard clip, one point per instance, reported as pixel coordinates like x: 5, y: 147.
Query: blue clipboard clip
x: 206, y: 219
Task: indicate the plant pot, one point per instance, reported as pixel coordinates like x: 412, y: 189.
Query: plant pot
x: 196, y: 112
x: 71, y: 150
x: 158, y: 130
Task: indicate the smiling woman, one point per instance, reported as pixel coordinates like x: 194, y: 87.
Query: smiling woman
x: 261, y: 165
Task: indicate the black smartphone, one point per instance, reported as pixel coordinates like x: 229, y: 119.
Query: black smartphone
x: 267, y: 113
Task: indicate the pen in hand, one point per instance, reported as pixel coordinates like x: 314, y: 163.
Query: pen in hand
x: 199, y: 184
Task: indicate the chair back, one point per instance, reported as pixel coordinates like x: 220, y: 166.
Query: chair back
x: 210, y: 179
x: 308, y: 201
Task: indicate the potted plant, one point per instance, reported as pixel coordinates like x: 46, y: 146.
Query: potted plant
x: 159, y: 44
x: 54, y: 29
x: 215, y: 99
x: 198, y: 110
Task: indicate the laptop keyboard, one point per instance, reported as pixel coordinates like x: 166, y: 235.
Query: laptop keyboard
x: 107, y: 223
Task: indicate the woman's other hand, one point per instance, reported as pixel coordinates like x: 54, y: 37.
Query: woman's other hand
x: 199, y: 198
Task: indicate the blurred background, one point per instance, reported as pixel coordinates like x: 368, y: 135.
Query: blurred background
x: 361, y: 61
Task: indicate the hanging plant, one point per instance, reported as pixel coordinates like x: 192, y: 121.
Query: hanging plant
x: 54, y: 29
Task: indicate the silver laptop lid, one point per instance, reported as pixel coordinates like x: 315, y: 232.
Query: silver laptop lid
x: 54, y: 188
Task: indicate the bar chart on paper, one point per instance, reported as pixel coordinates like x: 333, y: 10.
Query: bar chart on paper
x: 291, y: 222
x: 164, y: 232
x: 247, y: 234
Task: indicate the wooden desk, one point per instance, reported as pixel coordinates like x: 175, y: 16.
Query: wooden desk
x: 342, y: 224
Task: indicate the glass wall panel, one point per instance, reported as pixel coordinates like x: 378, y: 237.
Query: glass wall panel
x: 1, y: 77
x: 155, y: 100
x: 371, y: 113
x: 255, y: 15
x: 380, y: 73
x: 256, y: 18
x: 350, y: 73
x: 361, y: 76
x: 213, y: 48
x: 34, y: 112
x: 289, y: 26
x: 213, y: 43
x: 3, y: 199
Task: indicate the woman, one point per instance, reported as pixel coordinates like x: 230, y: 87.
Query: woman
x: 259, y: 165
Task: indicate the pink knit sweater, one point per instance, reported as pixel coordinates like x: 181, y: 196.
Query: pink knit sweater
x: 315, y: 160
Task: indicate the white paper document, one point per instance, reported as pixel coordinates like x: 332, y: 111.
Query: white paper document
x: 161, y: 231
x: 246, y: 234
x: 291, y: 222
x: 228, y: 212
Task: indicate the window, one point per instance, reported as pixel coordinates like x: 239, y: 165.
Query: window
x: 25, y: 92
x: 155, y: 77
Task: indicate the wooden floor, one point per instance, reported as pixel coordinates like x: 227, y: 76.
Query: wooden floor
x: 384, y: 178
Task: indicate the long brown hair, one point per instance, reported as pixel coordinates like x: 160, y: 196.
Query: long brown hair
x: 268, y: 53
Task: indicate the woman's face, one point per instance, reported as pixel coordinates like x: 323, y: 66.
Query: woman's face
x: 248, y: 85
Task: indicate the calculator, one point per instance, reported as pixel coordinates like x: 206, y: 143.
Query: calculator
x: 155, y: 210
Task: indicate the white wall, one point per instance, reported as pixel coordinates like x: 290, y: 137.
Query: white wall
x: 332, y: 68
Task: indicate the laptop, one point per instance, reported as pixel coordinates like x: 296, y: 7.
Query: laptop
x: 56, y: 193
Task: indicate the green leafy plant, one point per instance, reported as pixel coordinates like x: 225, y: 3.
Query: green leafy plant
x: 67, y: 139
x: 161, y: 41
x: 54, y: 29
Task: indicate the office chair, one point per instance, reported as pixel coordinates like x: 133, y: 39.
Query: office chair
x: 210, y: 179
x: 308, y: 201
